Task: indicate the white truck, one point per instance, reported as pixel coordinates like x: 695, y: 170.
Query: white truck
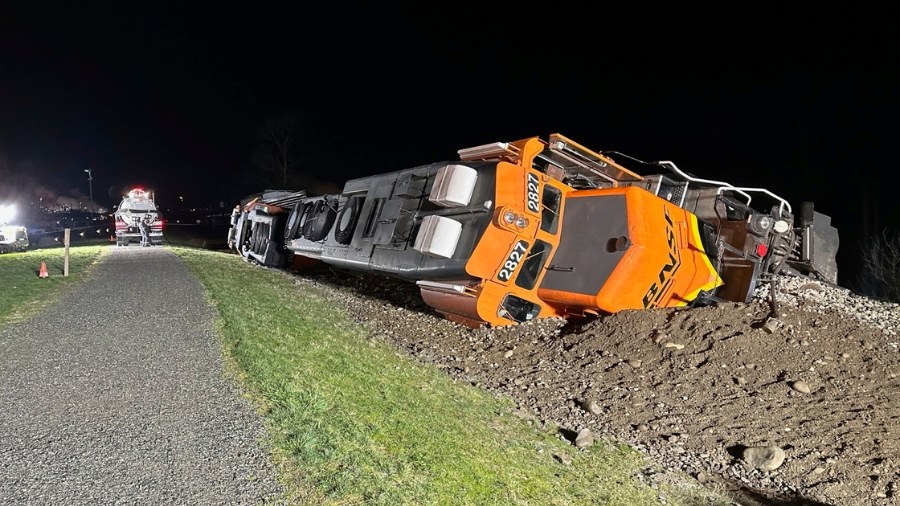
x: 138, y: 220
x: 13, y: 238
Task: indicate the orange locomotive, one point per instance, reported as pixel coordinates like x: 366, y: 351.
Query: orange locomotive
x: 533, y: 229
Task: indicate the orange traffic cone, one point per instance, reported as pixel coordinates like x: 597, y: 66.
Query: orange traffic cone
x: 43, y: 273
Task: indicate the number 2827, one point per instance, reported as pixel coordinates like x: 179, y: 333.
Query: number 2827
x: 532, y: 193
x: 512, y: 261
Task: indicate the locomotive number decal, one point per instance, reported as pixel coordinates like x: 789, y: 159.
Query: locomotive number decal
x: 512, y: 261
x: 531, y: 190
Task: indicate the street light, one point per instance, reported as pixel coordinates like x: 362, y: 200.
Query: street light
x: 90, y: 185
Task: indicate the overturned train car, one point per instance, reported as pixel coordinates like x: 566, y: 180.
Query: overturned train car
x: 514, y: 231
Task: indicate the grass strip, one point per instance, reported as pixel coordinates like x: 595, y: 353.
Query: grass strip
x: 23, y: 292
x: 355, y: 422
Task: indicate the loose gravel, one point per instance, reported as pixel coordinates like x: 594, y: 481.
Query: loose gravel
x: 823, y: 298
x: 116, y: 394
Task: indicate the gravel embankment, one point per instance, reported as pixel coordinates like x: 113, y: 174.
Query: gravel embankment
x: 692, y: 388
x: 822, y: 298
x: 116, y: 394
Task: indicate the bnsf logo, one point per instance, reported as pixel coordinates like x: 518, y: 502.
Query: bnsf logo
x: 667, y: 273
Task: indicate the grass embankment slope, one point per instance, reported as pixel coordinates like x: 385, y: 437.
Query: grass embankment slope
x: 23, y: 292
x: 354, y: 422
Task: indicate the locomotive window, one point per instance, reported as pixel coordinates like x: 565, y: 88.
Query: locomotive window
x: 518, y: 309
x: 531, y: 268
x: 550, y: 201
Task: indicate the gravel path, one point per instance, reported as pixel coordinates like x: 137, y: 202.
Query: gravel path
x: 115, y: 394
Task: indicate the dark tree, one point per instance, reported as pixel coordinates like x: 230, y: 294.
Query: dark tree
x: 881, y: 261
x: 276, y: 160
x: 280, y: 157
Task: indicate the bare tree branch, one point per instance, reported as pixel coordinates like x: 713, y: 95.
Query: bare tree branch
x: 881, y: 261
x: 280, y: 155
x: 277, y: 156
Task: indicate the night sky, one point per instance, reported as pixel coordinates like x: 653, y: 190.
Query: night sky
x: 169, y: 96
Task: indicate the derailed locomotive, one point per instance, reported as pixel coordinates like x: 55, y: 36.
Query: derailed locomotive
x: 536, y: 228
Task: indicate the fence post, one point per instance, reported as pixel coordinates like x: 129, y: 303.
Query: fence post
x: 66, y: 256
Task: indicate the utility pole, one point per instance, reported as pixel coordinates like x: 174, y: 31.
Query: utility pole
x: 90, y: 186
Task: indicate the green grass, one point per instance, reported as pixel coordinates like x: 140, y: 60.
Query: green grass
x: 22, y: 292
x: 355, y: 422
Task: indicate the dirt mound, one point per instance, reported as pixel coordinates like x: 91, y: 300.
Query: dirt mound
x: 691, y: 387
